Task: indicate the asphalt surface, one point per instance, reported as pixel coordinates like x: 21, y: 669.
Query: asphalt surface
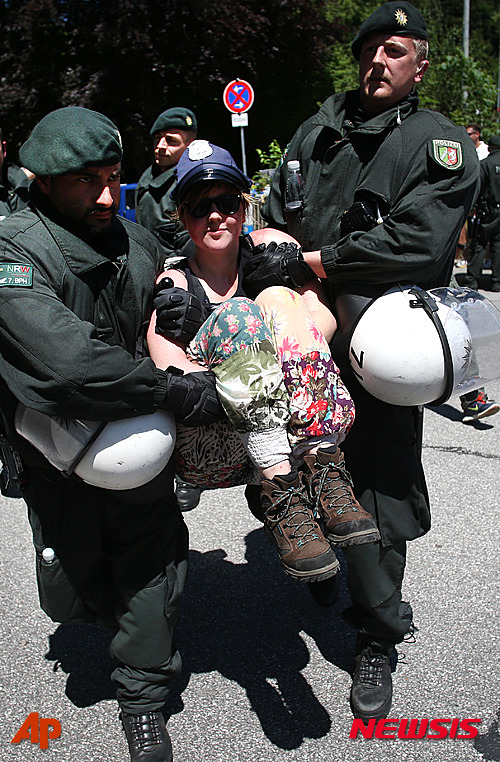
x: 266, y: 671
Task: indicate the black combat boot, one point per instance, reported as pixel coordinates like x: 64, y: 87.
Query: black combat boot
x: 147, y: 736
x: 371, y: 690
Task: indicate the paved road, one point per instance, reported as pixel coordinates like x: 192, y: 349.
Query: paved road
x: 266, y: 672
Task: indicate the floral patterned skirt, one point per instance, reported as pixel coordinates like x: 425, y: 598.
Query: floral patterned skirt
x: 273, y: 368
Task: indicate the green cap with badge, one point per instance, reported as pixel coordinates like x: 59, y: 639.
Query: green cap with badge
x: 70, y: 139
x: 398, y: 18
x: 494, y: 141
x: 177, y: 118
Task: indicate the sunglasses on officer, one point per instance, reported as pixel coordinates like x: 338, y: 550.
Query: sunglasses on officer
x: 227, y: 203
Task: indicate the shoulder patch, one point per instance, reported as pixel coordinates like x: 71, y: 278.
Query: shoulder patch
x: 14, y: 274
x: 447, y: 153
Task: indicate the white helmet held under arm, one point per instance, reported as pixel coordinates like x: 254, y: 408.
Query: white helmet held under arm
x: 118, y: 455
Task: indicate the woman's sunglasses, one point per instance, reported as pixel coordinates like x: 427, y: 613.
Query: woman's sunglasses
x: 228, y: 203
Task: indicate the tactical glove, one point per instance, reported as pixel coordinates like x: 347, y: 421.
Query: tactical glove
x: 191, y: 397
x: 275, y: 265
x: 178, y: 312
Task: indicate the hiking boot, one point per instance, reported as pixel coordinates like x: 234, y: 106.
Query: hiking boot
x: 330, y: 488
x: 147, y: 736
x: 481, y: 407
x: 371, y: 690
x: 290, y: 525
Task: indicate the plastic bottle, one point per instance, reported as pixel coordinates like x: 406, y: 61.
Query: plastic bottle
x: 295, y: 188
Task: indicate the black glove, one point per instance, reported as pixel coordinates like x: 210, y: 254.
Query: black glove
x: 192, y: 397
x: 275, y: 265
x: 178, y: 312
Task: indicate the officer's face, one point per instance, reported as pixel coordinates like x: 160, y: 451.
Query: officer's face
x: 169, y: 145
x: 88, y: 199
x: 387, y: 70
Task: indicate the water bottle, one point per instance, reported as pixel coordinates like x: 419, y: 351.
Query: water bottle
x: 295, y: 188
x: 48, y: 556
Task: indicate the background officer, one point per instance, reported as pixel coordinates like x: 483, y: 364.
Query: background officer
x: 172, y: 132
x: 387, y: 190
x: 72, y: 330
x: 489, y: 203
x: 14, y: 184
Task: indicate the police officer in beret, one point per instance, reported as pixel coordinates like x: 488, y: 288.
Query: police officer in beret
x: 172, y: 132
x: 387, y: 190
x: 75, y: 298
x: 14, y: 184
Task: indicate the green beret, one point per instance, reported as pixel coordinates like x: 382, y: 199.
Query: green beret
x: 175, y: 119
x: 494, y: 141
x: 70, y: 139
x: 398, y: 18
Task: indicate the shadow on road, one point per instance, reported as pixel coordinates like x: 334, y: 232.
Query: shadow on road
x: 247, y: 622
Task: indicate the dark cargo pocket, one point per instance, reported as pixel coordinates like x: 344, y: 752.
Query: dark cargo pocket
x: 58, y: 597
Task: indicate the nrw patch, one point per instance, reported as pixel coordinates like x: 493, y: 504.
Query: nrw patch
x: 447, y: 153
x: 13, y: 274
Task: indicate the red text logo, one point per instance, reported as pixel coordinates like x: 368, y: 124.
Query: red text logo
x: 38, y: 730
x: 428, y: 729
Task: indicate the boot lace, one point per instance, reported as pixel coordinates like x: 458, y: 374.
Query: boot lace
x: 333, y: 481
x: 297, y: 517
x: 370, y: 667
x: 144, y: 730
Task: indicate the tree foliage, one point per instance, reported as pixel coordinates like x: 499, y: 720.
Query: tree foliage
x: 132, y: 59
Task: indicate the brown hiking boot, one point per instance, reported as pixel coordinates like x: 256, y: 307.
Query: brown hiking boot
x: 330, y: 489
x: 290, y: 525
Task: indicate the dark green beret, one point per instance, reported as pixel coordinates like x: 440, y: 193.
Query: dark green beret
x: 70, y: 139
x: 494, y: 141
x: 402, y: 19
x: 175, y: 119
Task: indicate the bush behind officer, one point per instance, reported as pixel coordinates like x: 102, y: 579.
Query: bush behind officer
x: 387, y: 190
x: 72, y: 330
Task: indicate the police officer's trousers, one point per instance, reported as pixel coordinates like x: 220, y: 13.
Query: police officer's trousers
x: 120, y: 564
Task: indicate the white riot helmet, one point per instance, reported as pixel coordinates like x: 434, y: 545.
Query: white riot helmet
x: 119, y: 455
x: 410, y: 349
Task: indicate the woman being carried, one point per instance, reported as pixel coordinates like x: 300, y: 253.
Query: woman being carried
x: 286, y: 405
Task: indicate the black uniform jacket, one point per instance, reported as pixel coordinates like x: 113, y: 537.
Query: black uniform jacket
x: 154, y: 209
x: 419, y: 173
x: 72, y: 318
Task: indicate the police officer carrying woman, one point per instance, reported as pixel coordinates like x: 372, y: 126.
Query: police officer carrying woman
x: 388, y: 187
x: 75, y: 299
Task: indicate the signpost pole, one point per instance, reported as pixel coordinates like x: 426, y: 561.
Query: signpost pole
x: 243, y: 154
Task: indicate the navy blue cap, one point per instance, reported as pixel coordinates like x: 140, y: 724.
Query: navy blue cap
x: 401, y: 18
x: 204, y: 161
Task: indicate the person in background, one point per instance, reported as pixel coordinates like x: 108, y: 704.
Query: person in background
x: 474, y: 132
x: 476, y: 404
x: 72, y: 320
x: 14, y: 184
x: 172, y: 132
x: 382, y: 179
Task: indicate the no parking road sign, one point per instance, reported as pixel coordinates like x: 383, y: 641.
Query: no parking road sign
x: 238, y: 96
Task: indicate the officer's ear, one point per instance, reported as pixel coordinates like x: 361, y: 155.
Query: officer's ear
x: 43, y: 182
x: 421, y: 69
